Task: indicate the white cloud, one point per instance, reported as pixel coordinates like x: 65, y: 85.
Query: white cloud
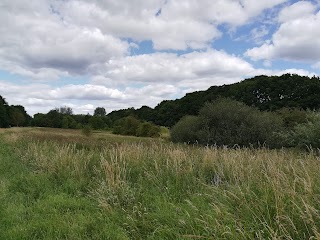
x: 51, y: 39
x: 174, y: 26
x: 296, y: 38
x: 298, y: 10
x: 47, y: 39
x: 38, y: 44
x: 173, y: 68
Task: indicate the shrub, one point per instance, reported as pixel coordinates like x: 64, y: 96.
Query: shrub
x: 186, y: 130
x: 126, y: 126
x: 228, y: 122
x: 147, y: 129
x: 292, y: 117
x: 97, y: 122
x: 306, y: 134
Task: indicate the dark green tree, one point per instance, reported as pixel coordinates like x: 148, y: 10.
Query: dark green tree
x: 100, y: 111
x: 65, y: 110
x: 69, y: 122
x: 97, y: 122
x: 228, y: 122
x: 4, y: 117
x: 126, y: 126
x: 17, y: 117
x: 147, y: 129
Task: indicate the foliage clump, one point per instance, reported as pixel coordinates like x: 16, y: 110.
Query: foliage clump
x: 134, y: 127
x: 228, y: 122
x: 305, y: 135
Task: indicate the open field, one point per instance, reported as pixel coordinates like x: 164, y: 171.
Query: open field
x: 59, y: 184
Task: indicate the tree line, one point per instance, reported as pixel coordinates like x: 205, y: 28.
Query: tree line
x: 14, y: 115
x: 267, y: 93
x: 287, y: 100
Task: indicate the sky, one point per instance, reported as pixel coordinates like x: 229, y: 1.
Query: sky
x: 129, y: 53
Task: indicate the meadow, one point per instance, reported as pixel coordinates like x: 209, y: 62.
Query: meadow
x: 61, y: 184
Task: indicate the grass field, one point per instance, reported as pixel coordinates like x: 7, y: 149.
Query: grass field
x: 59, y: 184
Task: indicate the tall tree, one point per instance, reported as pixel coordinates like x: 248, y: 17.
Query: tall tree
x: 4, y: 117
x: 65, y: 110
x: 17, y: 117
x: 100, y: 111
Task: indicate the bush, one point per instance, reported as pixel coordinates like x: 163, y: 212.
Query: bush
x: 126, y: 126
x: 147, y: 129
x: 186, y: 130
x: 228, y: 122
x: 307, y: 134
x: 97, y: 122
x: 292, y: 117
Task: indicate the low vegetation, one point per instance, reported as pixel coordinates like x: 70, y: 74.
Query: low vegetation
x: 228, y: 122
x: 60, y: 184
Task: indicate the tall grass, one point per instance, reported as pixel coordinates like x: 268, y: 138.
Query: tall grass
x: 158, y: 190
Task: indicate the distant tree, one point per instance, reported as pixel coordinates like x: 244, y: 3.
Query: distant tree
x: 69, y: 122
x: 41, y: 120
x: 4, y: 117
x: 292, y: 116
x: 305, y: 135
x: 116, y: 115
x: 126, y: 126
x: 55, y: 118
x: 228, y: 122
x: 107, y: 121
x: 65, y: 110
x: 147, y: 129
x: 27, y: 117
x: 99, y: 111
x: 145, y: 113
x: 186, y: 130
x: 97, y: 123
x: 17, y: 117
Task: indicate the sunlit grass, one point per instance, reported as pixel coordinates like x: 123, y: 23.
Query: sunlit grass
x: 115, y: 187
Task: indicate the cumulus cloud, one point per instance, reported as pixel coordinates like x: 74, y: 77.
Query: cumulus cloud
x: 37, y: 43
x: 164, y: 22
x: 296, y: 37
x: 173, y: 68
x: 46, y: 39
x: 56, y: 39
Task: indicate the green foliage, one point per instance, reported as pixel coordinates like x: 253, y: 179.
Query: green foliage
x: 126, y: 126
x: 69, y: 122
x: 122, y: 113
x: 267, y: 93
x: 96, y: 122
x: 99, y: 111
x: 292, y: 117
x: 186, y: 130
x: 18, y: 116
x: 4, y: 117
x: 64, y: 110
x: 147, y: 129
x: 134, y: 127
x: 41, y: 120
x: 228, y: 122
x: 305, y: 135
x: 55, y: 119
